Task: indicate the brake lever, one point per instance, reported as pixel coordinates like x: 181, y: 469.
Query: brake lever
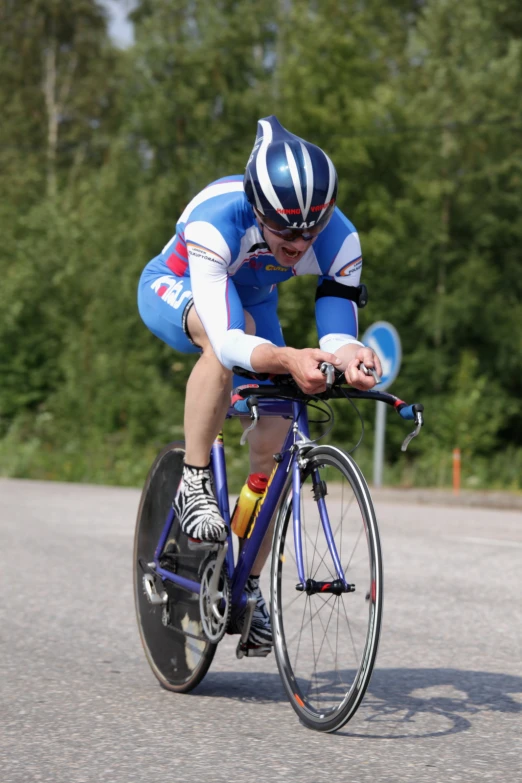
x: 419, y: 421
x: 328, y: 370
x: 370, y: 371
x: 252, y: 403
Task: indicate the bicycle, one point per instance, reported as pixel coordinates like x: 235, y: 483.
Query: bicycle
x: 325, y: 578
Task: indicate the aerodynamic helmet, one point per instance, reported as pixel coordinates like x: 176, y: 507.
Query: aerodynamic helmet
x: 288, y: 181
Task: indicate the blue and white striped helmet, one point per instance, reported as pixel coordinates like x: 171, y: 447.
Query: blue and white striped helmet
x: 288, y: 180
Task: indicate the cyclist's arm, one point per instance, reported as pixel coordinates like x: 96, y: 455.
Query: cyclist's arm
x: 337, y: 314
x: 215, y: 296
x: 302, y: 364
x: 335, y: 309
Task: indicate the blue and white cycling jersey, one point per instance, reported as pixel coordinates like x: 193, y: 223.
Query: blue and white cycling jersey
x: 219, y: 247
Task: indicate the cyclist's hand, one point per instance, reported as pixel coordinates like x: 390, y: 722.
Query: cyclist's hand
x: 357, y: 377
x: 304, y: 365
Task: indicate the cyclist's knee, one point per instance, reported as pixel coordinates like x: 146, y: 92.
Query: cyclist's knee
x: 195, y: 329
x: 196, y: 332
x: 265, y: 440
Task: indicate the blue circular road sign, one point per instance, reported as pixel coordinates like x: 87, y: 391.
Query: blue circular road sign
x: 384, y: 339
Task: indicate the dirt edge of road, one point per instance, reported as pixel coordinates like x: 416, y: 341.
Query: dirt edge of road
x: 441, y: 497
x: 414, y: 495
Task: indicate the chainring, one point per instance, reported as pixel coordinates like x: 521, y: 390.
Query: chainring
x: 214, y: 609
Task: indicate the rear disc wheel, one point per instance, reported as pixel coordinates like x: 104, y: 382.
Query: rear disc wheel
x: 172, y: 635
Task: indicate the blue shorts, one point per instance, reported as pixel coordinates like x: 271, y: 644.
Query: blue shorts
x: 164, y: 301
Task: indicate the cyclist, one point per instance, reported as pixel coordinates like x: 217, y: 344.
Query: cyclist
x: 213, y: 291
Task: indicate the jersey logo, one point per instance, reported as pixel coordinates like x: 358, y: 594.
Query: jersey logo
x: 350, y: 268
x: 199, y: 251
x: 170, y: 289
x: 255, y: 261
x: 273, y: 268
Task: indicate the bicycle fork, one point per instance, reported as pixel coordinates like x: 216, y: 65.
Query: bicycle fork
x: 307, y: 583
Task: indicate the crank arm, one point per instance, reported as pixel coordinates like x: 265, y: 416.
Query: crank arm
x: 214, y: 581
x: 249, y: 613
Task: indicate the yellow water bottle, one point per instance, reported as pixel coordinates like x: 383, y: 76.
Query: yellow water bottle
x: 247, y: 502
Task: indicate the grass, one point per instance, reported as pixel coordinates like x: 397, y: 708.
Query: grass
x: 34, y: 450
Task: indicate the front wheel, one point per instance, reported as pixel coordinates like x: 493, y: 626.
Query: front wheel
x: 171, y: 632
x: 326, y: 631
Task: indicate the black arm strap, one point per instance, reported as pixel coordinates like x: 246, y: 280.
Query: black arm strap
x: 357, y: 294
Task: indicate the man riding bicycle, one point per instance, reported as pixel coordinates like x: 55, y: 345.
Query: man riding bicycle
x: 213, y: 291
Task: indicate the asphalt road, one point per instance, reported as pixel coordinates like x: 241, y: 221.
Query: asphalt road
x: 79, y: 704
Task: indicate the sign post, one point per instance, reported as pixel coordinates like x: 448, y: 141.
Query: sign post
x: 384, y: 339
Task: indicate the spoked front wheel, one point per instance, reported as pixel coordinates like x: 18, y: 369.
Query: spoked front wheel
x: 170, y: 625
x: 326, y: 630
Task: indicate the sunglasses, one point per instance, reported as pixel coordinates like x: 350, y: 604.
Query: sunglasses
x: 291, y: 234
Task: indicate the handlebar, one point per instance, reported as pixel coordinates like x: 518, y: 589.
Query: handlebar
x: 286, y: 387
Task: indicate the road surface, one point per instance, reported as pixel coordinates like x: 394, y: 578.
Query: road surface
x: 79, y: 703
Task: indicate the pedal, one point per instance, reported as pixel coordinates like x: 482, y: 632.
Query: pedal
x: 245, y: 651
x: 151, y: 591
x: 196, y: 545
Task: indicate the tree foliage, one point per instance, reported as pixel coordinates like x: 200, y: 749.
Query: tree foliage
x: 416, y: 102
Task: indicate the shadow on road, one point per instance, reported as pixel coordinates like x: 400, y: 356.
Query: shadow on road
x: 399, y: 703
x: 244, y: 686
x: 415, y: 703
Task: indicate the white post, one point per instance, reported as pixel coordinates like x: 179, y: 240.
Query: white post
x: 378, y: 449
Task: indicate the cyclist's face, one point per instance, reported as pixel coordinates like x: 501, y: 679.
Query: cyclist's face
x: 286, y: 253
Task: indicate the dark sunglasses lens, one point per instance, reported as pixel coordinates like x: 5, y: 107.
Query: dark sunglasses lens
x: 291, y: 234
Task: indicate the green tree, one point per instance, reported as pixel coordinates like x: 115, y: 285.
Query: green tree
x: 100, y: 150
x: 56, y: 111
x: 455, y: 221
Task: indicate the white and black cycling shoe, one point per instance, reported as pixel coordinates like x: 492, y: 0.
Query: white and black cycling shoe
x: 260, y: 634
x: 196, y: 507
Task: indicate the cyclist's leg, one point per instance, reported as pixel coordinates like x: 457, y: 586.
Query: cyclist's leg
x: 165, y: 304
x: 268, y: 437
x: 208, y: 394
x: 264, y: 441
x: 171, y: 631
x: 206, y: 402
x: 162, y: 304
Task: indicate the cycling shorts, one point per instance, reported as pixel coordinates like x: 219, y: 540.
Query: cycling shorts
x: 164, y: 301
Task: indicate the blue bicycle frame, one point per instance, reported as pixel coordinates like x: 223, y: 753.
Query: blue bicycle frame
x: 296, y: 441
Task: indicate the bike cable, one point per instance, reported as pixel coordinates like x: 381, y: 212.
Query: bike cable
x: 358, y: 412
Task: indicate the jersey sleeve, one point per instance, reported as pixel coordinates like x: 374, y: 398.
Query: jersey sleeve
x: 336, y: 314
x: 215, y: 297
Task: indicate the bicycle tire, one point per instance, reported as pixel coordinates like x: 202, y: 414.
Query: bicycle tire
x: 171, y: 634
x: 323, y: 697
